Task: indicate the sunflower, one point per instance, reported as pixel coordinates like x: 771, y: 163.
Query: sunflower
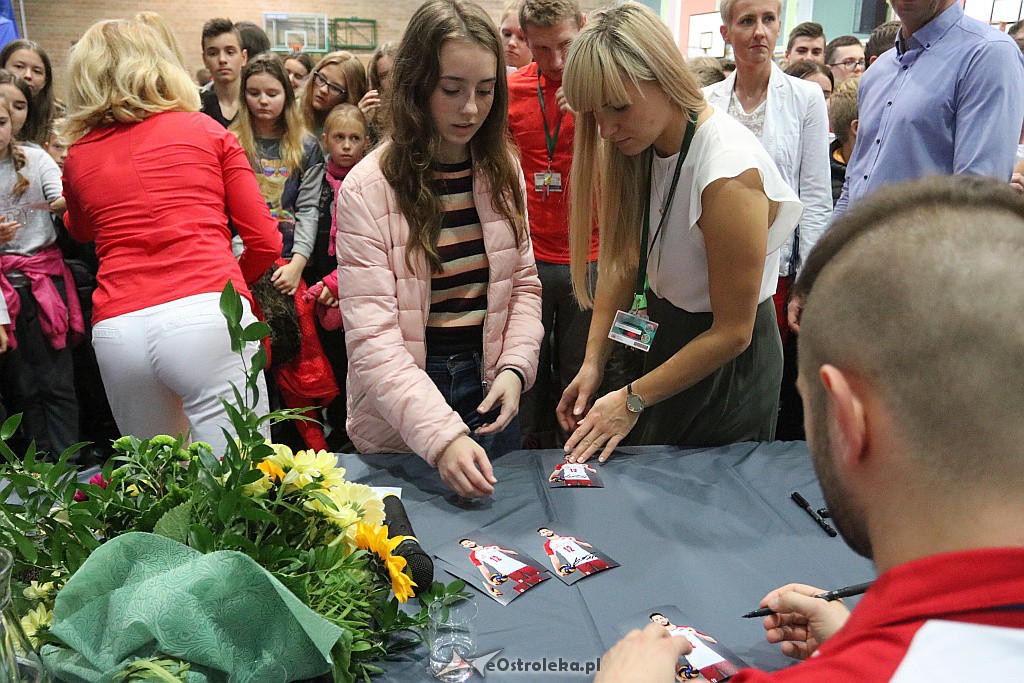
x: 375, y: 539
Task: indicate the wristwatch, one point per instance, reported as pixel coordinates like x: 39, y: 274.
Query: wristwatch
x: 634, y: 402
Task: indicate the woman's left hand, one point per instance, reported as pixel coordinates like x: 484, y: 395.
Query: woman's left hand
x: 505, y: 390
x: 605, y: 426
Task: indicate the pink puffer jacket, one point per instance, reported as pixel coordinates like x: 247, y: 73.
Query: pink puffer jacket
x: 393, y: 406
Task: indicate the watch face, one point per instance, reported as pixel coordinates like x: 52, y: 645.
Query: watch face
x: 635, y: 404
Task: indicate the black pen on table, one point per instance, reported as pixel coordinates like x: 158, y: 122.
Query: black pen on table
x: 815, y: 515
x: 837, y: 594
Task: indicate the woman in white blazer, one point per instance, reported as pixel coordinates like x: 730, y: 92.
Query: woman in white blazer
x: 790, y: 118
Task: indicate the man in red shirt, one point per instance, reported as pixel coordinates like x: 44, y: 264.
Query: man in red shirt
x: 910, y: 370
x: 542, y: 124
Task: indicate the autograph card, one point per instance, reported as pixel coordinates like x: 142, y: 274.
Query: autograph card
x: 709, y: 660
x: 572, y: 557
x: 500, y: 570
x: 563, y: 474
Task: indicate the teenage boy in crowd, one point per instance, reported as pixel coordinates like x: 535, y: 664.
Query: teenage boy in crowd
x: 806, y: 42
x: 845, y: 56
x: 910, y: 376
x: 224, y: 56
x: 541, y: 123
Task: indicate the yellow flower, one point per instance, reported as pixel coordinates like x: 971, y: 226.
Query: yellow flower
x: 282, y: 456
x: 343, y: 517
x: 36, y: 621
x: 38, y: 591
x: 271, y: 470
x: 362, y: 499
x: 308, y: 467
x: 375, y: 539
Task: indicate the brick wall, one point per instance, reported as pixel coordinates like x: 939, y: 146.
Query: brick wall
x: 56, y: 24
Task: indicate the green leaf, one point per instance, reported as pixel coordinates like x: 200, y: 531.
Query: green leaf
x: 200, y: 538
x: 175, y: 523
x: 10, y: 426
x: 26, y: 548
x: 256, y: 331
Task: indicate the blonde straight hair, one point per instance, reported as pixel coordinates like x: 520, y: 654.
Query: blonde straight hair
x: 608, y: 186
x: 289, y: 124
x: 121, y: 70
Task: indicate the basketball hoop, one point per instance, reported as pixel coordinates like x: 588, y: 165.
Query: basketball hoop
x: 296, y: 47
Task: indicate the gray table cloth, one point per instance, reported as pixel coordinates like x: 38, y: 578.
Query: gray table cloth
x: 710, y: 531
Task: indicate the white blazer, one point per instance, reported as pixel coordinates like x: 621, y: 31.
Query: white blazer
x: 796, y: 138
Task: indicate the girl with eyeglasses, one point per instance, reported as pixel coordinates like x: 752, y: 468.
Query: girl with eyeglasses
x: 339, y: 77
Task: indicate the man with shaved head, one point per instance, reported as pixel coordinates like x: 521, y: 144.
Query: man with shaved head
x: 912, y: 377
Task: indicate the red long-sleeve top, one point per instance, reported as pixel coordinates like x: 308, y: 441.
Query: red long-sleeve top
x: 156, y: 197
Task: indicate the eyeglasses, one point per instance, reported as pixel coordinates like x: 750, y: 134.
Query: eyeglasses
x: 320, y: 80
x: 850, y: 63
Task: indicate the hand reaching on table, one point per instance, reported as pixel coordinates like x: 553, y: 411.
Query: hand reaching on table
x: 801, y: 622
x: 605, y: 426
x: 465, y: 469
x: 649, y: 656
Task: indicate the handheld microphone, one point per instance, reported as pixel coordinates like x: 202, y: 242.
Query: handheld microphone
x: 421, y: 566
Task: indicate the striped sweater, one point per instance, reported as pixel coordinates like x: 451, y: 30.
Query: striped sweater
x: 458, y: 294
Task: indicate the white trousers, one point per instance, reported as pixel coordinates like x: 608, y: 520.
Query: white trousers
x: 166, y: 367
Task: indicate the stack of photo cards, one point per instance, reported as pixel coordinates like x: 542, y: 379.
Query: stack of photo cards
x: 504, y: 571
x: 708, y: 661
x: 564, y: 474
x: 500, y: 570
x: 571, y: 557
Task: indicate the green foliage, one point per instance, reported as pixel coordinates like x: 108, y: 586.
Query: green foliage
x: 188, y: 494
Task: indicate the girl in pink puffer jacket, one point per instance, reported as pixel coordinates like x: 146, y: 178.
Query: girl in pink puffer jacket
x: 439, y: 291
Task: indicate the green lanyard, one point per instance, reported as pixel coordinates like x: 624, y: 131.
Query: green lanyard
x: 552, y: 141
x: 640, y: 295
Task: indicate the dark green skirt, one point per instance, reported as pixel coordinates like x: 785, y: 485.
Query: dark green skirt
x: 737, y: 402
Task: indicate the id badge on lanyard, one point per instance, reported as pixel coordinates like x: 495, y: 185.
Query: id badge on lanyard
x: 634, y: 328
x: 547, y: 181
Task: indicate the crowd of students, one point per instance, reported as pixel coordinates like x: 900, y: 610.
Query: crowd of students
x: 446, y: 241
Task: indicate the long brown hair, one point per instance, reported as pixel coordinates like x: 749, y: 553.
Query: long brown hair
x: 289, y: 125
x: 409, y: 160
x: 17, y: 155
x: 355, y: 84
x: 42, y: 110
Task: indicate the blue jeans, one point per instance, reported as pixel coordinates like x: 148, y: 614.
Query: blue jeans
x: 458, y: 379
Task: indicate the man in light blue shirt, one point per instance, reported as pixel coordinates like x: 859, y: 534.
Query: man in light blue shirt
x: 948, y: 100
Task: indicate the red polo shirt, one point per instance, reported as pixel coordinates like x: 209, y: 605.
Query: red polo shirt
x: 549, y: 217
x: 956, y: 615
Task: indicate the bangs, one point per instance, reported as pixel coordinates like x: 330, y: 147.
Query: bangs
x: 592, y: 77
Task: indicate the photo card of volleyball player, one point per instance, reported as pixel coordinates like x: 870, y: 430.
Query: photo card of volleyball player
x: 571, y: 557
x: 499, y: 570
x: 564, y: 475
x: 709, y: 660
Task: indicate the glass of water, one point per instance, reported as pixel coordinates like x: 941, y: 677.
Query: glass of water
x: 451, y: 638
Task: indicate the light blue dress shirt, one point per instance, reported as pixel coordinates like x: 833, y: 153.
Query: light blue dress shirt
x: 949, y: 101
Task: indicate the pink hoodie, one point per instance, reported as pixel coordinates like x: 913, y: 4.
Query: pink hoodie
x: 393, y: 406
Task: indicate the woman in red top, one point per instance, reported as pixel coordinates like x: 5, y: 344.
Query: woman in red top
x: 155, y: 184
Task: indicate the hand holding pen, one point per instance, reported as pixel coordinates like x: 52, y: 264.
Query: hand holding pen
x: 799, y: 620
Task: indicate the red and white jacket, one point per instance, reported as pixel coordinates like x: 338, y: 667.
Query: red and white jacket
x: 947, y: 617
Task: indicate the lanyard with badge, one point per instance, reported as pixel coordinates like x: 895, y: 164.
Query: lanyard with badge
x: 635, y: 329
x: 548, y: 181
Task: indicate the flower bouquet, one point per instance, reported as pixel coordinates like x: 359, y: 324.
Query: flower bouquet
x: 294, y: 515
